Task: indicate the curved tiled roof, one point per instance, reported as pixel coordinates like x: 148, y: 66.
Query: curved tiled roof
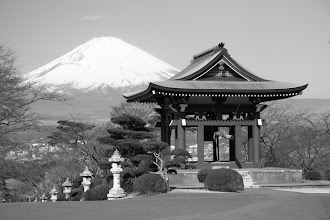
x: 224, y: 86
x: 200, y: 64
x: 190, y: 81
x: 215, y: 88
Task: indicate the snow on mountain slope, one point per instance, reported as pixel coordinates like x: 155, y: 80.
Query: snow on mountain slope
x: 103, y: 62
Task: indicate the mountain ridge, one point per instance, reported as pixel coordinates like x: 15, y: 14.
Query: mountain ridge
x: 103, y: 62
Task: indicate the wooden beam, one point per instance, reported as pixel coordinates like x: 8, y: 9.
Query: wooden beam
x: 195, y: 123
x: 223, y: 108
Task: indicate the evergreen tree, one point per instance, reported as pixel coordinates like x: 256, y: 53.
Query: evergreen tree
x: 138, y: 144
x: 78, y: 137
x: 128, y: 136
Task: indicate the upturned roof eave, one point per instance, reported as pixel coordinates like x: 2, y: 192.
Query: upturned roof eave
x: 138, y: 95
x: 217, y: 90
x: 149, y: 94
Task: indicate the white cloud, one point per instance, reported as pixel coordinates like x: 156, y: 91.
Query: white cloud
x: 91, y: 18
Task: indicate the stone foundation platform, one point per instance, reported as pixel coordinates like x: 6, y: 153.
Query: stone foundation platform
x: 252, y: 177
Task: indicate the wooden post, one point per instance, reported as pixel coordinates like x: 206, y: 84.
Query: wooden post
x: 163, y: 127
x: 181, y: 137
x: 167, y: 130
x: 238, y: 144
x: 250, y: 145
x: 256, y: 144
x: 200, y: 144
x: 232, y: 147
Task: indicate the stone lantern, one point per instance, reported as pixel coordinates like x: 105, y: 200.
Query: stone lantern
x: 43, y: 198
x: 54, y: 194
x: 67, y: 188
x: 116, y: 191
x: 87, y: 177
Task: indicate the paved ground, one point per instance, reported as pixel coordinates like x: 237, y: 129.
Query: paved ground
x: 307, y: 190
x: 184, y: 204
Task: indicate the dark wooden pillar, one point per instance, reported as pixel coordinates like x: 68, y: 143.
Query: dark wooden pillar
x: 181, y: 137
x: 250, y: 145
x: 238, y: 144
x: 165, y: 132
x: 176, y: 136
x: 232, y: 148
x: 163, y: 127
x: 200, y: 144
x: 256, y: 143
x: 168, y: 130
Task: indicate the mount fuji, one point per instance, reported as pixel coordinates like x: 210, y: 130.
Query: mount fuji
x: 103, y: 62
x: 95, y: 74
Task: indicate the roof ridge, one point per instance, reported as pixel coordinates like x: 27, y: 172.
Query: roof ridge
x: 210, y: 50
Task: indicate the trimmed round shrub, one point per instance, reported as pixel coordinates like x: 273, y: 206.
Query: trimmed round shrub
x: 327, y: 175
x: 105, y: 182
x: 105, y: 165
x: 127, y: 178
x: 172, y: 171
x: 149, y: 183
x: 97, y: 193
x: 168, y: 164
x: 61, y: 197
x: 180, y: 152
x: 15, y: 197
x: 191, y: 166
x: 224, y: 180
x: 139, y: 157
x: 313, y: 175
x: 178, y: 160
x: 73, y: 199
x: 76, y: 194
x: 77, y: 182
x: 146, y: 166
x: 127, y: 184
x: 201, y: 175
x: 96, y: 181
x: 128, y: 173
x: 125, y: 164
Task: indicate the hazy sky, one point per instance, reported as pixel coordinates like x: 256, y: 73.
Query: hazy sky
x: 283, y: 40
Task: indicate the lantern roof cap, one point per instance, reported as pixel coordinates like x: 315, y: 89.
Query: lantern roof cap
x: 67, y: 183
x: 86, y: 172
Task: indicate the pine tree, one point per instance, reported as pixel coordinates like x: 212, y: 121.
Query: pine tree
x: 138, y: 144
x: 128, y: 135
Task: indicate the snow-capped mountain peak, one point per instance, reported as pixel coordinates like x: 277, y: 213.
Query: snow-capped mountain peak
x: 103, y: 62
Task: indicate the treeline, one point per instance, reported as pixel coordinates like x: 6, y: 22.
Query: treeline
x: 294, y: 138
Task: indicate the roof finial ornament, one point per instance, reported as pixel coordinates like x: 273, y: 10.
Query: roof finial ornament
x: 222, y: 44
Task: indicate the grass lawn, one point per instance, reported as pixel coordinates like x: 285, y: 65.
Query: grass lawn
x: 251, y: 204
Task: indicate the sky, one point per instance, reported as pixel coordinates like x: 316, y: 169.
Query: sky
x: 282, y: 40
